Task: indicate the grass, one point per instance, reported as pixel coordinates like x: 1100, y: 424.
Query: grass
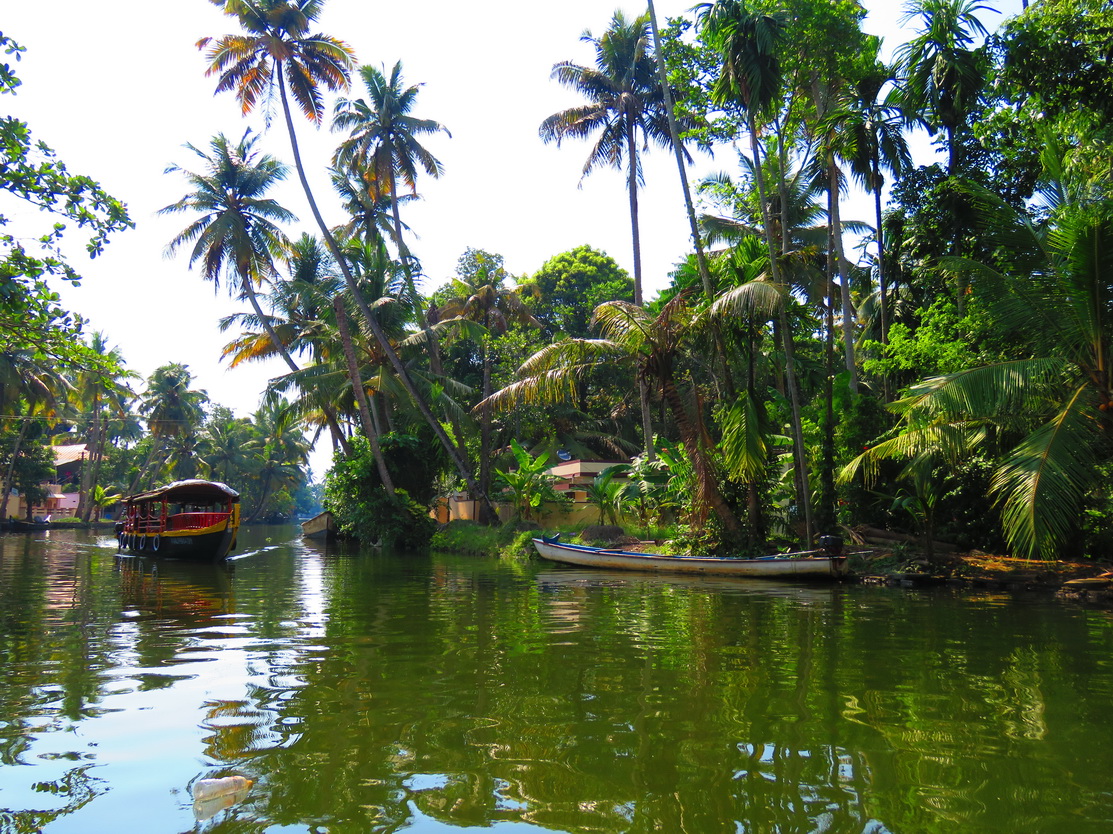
x: 470, y: 537
x: 510, y: 541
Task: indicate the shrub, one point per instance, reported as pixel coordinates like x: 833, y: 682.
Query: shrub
x: 363, y: 509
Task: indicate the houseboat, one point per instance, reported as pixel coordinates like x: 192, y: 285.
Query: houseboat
x: 191, y: 519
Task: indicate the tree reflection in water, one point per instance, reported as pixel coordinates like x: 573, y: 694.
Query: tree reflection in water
x: 384, y: 692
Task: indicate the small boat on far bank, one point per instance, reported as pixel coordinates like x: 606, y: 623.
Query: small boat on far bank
x: 811, y: 564
x: 191, y: 519
x: 17, y: 525
x: 321, y: 526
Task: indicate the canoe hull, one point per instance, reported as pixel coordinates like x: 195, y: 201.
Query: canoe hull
x: 321, y: 526
x: 817, y: 566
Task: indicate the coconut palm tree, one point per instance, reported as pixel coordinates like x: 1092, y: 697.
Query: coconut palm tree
x: 482, y: 297
x: 236, y: 238
x: 625, y: 108
x: 652, y: 343
x: 750, y: 79
x: 383, y: 147
x: 279, y: 447
x: 371, y: 211
x: 96, y: 394
x: 382, y: 150
x: 173, y: 411
x: 278, y: 51
x: 30, y: 386
x: 678, y: 150
x: 224, y: 446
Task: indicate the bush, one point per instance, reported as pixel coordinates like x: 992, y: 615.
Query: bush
x: 363, y: 509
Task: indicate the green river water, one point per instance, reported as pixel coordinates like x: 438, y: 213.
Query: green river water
x: 376, y: 692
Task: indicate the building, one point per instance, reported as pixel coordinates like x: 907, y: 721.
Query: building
x: 68, y: 463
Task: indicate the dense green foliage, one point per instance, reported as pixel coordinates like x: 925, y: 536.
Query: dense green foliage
x: 362, y: 509
x: 949, y: 377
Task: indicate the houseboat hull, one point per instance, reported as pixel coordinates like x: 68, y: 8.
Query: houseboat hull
x: 811, y: 565
x: 185, y: 544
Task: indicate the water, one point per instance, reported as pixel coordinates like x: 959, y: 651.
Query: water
x: 378, y: 692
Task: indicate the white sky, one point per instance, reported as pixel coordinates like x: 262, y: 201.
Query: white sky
x: 117, y: 89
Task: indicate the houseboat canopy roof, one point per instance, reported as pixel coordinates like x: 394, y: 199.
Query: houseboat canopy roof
x: 191, y: 490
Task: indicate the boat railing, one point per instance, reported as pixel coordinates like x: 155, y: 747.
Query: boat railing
x: 195, y: 521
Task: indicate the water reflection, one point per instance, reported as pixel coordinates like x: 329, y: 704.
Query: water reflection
x: 387, y: 692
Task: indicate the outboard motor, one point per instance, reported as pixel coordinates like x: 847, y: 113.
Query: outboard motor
x: 831, y: 544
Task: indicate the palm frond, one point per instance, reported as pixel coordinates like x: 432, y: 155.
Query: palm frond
x: 1042, y: 481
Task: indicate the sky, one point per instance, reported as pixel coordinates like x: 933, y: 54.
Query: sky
x: 118, y: 88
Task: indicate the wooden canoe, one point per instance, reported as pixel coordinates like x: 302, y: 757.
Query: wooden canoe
x: 321, y: 526
x: 809, y: 564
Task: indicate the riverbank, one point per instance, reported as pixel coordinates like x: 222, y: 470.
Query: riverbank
x: 1088, y: 582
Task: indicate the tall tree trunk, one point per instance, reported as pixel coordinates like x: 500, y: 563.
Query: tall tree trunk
x: 361, y: 393
x: 432, y: 343
x: 485, y: 428
x: 329, y: 412
x: 707, y: 488
x: 799, y: 452
x: 369, y: 319
x: 98, y: 459
x: 693, y: 223
x: 156, y: 446
x: 678, y: 151
x: 84, y: 487
x: 825, y: 511
x: 835, y: 222
x: 632, y: 187
x: 882, y: 277
x: 9, y: 476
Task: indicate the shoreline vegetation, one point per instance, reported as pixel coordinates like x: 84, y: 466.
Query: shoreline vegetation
x: 905, y: 565
x: 942, y: 366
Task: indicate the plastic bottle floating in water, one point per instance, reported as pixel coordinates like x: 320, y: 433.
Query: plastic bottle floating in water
x: 213, y: 795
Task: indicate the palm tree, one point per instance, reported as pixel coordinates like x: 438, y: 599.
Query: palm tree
x: 95, y: 394
x: 371, y: 211
x: 382, y: 147
x: 30, y: 385
x: 172, y: 410
x: 482, y: 297
x: 279, y: 51
x: 750, y: 79
x: 874, y: 126
x: 652, y: 343
x: 382, y: 150
x: 276, y: 51
x: 236, y: 235
x: 942, y: 73
x: 678, y: 150
x: 279, y: 447
x: 224, y: 446
x: 625, y: 103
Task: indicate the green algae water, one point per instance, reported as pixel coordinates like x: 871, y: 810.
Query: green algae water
x: 386, y: 692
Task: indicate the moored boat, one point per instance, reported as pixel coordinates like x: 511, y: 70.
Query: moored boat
x: 815, y: 564
x: 321, y: 526
x: 191, y: 519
